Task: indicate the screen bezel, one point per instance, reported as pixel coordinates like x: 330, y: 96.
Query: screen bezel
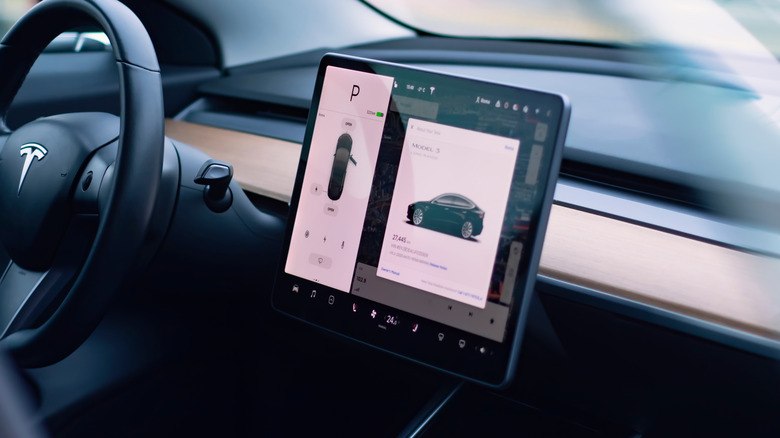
x: 496, y: 370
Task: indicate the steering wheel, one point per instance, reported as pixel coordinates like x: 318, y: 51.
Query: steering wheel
x: 72, y: 222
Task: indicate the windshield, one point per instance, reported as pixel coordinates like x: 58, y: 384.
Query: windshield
x: 746, y: 27
x: 717, y: 41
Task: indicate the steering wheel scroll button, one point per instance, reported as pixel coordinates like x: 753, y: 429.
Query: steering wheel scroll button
x: 216, y: 176
x: 86, y: 199
x: 86, y: 182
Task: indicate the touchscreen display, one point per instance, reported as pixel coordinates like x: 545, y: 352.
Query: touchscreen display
x: 418, y: 213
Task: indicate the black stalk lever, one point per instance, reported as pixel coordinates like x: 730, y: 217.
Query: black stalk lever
x: 216, y: 176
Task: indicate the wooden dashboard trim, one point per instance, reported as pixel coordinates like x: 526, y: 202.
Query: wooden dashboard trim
x: 262, y: 165
x: 683, y: 275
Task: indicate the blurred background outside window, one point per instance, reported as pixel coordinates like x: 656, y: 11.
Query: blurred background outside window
x: 11, y: 10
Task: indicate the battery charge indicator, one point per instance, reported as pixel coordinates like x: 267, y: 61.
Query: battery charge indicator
x: 378, y: 114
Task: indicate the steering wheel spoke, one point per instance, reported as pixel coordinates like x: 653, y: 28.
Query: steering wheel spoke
x: 17, y: 287
x: 27, y: 297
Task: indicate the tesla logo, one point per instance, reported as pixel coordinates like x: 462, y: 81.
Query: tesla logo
x: 30, y: 151
x: 355, y: 92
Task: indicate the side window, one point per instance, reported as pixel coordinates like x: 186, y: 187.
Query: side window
x: 72, y: 42
x: 11, y: 10
x: 461, y: 202
x: 445, y: 200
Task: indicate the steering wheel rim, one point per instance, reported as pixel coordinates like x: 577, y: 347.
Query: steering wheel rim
x: 124, y: 221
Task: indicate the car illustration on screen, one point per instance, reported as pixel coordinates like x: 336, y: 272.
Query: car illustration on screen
x: 340, y: 161
x: 446, y: 212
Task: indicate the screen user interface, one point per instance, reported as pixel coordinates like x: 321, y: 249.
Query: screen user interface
x: 337, y: 182
x: 417, y: 206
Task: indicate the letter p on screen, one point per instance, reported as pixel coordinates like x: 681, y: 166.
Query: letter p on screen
x: 355, y: 92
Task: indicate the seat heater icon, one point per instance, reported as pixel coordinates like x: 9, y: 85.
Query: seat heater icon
x: 340, y: 161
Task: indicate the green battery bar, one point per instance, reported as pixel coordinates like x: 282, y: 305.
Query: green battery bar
x: 378, y: 114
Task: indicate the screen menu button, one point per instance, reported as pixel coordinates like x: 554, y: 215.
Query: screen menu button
x: 320, y: 260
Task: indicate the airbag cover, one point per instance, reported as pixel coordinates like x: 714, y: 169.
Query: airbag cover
x: 38, y: 167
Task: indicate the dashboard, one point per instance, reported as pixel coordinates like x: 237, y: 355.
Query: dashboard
x: 618, y: 217
x: 576, y: 231
x: 620, y: 255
